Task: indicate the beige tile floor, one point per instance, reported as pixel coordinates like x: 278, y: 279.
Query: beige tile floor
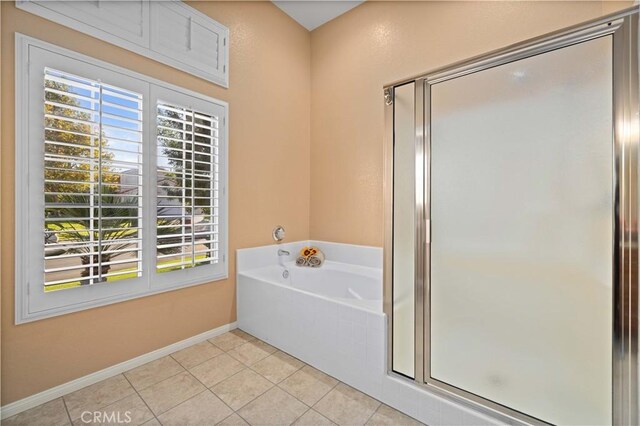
x: 232, y: 379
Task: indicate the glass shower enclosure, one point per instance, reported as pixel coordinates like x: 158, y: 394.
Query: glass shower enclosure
x: 511, y: 236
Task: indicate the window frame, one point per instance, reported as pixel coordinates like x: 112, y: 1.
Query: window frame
x: 166, y: 280
x: 147, y: 43
x: 31, y: 302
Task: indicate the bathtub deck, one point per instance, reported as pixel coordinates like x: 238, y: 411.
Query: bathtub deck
x: 232, y: 379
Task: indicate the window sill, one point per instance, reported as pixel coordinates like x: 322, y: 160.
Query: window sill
x: 154, y: 290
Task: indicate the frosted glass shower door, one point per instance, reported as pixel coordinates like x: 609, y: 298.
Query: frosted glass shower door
x: 521, y: 254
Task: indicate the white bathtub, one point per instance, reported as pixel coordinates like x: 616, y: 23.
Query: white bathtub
x: 356, y: 285
x: 331, y: 318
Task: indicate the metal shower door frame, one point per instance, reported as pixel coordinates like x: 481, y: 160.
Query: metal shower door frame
x: 623, y: 28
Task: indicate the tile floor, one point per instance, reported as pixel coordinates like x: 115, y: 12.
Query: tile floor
x: 232, y: 379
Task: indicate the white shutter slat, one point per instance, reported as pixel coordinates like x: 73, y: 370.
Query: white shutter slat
x: 187, y: 193
x: 93, y: 186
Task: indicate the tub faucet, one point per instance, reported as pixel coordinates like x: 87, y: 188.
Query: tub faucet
x: 283, y: 252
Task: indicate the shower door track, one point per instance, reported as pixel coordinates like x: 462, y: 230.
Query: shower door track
x: 623, y: 28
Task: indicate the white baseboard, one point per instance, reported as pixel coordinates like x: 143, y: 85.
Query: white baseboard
x: 65, y: 388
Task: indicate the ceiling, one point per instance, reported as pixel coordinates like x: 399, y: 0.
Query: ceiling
x: 313, y: 13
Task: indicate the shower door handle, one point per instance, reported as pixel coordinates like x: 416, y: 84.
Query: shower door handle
x: 427, y: 231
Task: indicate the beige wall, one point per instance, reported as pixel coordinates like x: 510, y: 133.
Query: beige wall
x: 378, y: 43
x: 276, y: 86
x: 269, y: 101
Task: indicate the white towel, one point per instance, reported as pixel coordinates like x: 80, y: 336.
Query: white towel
x: 316, y: 260
x: 302, y: 261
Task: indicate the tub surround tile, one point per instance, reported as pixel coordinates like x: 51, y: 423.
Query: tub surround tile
x: 313, y: 418
x: 345, y: 405
x: 196, y: 354
x: 51, y: 413
x: 368, y: 256
x: 131, y: 410
x: 153, y: 372
x: 230, y: 340
x: 217, y: 369
x: 233, y: 420
x: 429, y: 413
x: 476, y: 419
x: 450, y: 415
x: 152, y: 422
x: 275, y: 407
x: 252, y: 352
x: 308, y: 384
x: 401, y: 395
x: 278, y: 366
x: 169, y: 393
x: 97, y: 396
x: 257, y: 257
x: 203, y: 409
x: 387, y: 416
x: 242, y: 388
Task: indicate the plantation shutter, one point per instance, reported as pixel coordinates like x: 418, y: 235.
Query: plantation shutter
x: 188, y: 188
x: 93, y: 181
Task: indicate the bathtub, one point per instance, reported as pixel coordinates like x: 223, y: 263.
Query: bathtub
x: 355, y: 285
x: 331, y: 318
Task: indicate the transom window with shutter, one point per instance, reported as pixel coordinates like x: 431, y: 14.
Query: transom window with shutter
x: 120, y: 184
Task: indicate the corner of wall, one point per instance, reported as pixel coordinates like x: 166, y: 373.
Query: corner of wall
x: 612, y: 6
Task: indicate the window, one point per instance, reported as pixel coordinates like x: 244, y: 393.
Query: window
x: 92, y: 182
x: 188, y: 182
x: 190, y: 194
x: 120, y: 189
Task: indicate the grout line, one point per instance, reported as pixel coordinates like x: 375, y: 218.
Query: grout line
x: 321, y: 398
x: 248, y: 367
x: 374, y: 412
x: 199, y: 381
x: 298, y: 399
x: 212, y: 392
x: 328, y: 419
x: 300, y: 416
x: 270, y: 382
x: 240, y: 415
x: 320, y: 414
x: 65, y: 408
x: 249, y: 402
x: 232, y: 413
x: 286, y: 377
x: 184, y: 366
x: 160, y: 381
x: 164, y: 380
x: 329, y: 391
x: 230, y: 349
x: 186, y: 400
x: 140, y: 396
x: 101, y: 406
